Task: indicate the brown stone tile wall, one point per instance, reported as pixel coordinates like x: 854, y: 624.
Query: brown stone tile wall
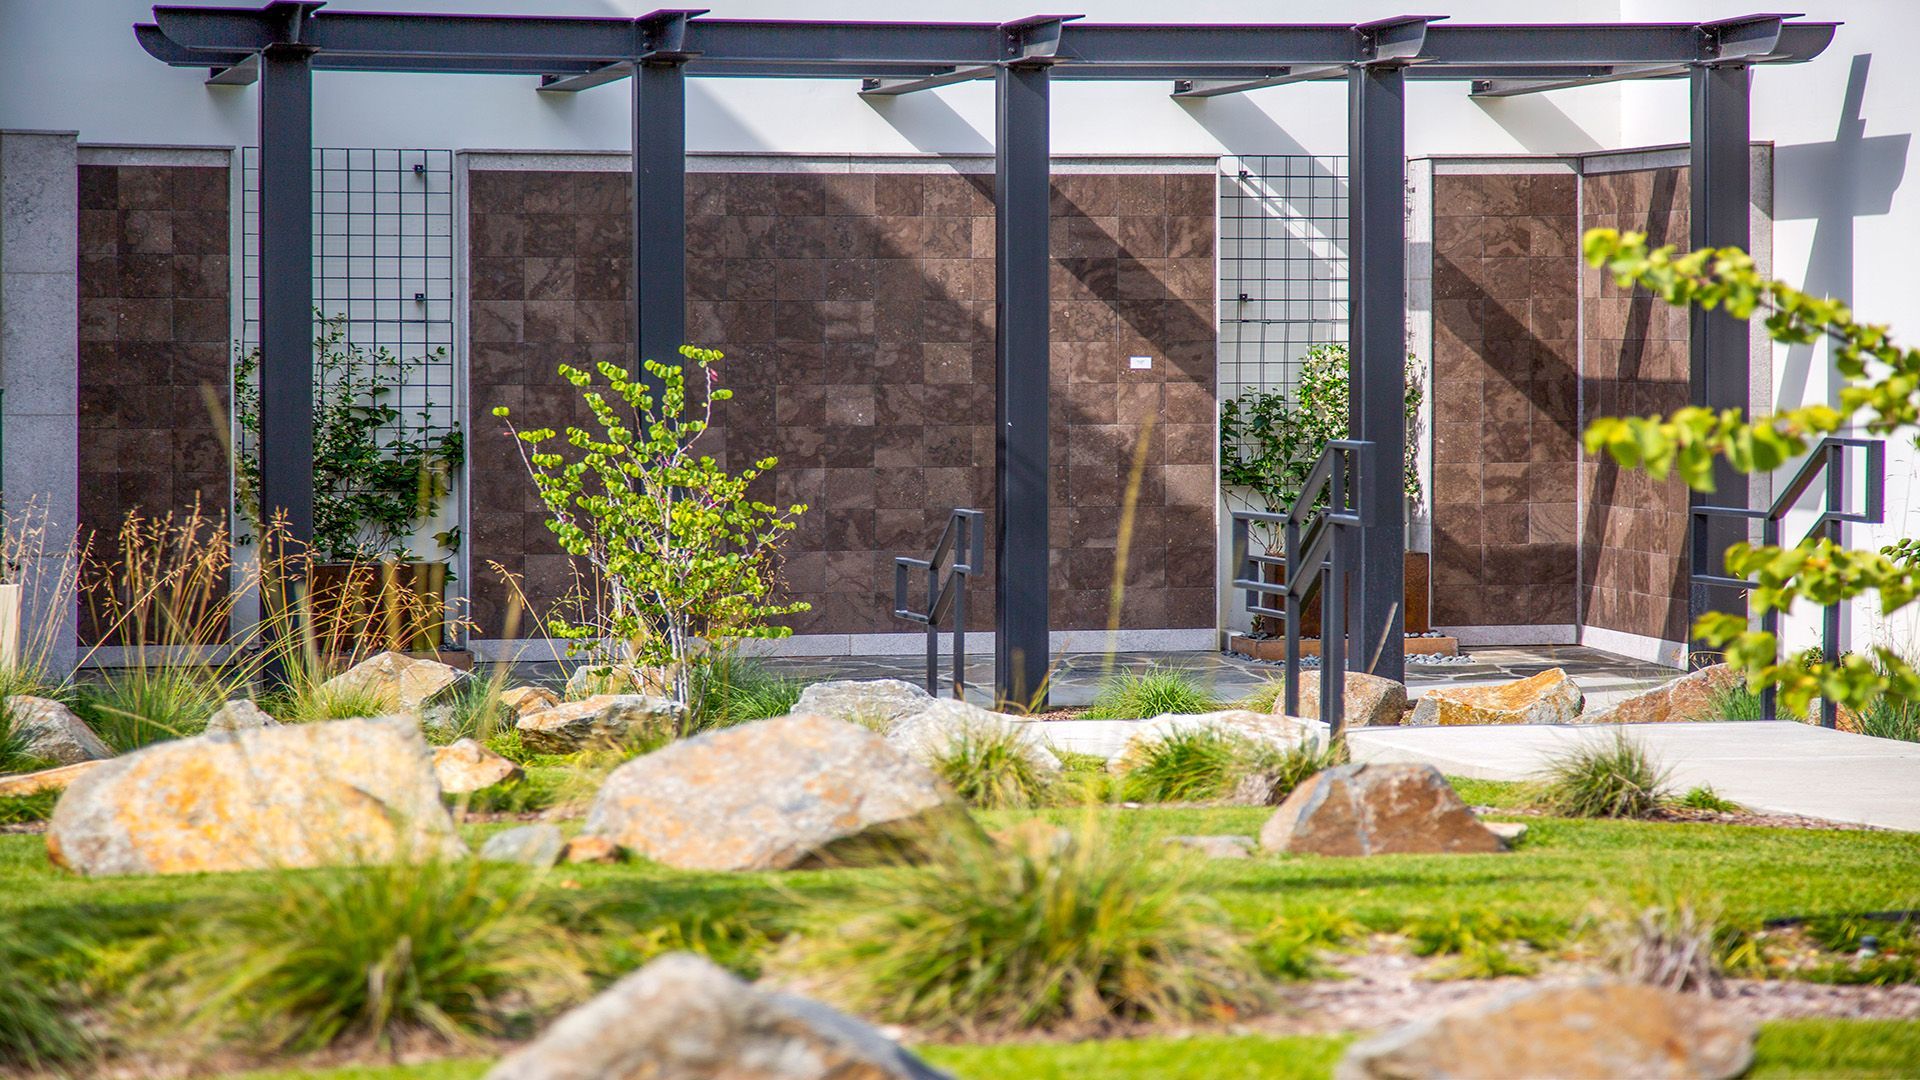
x: 856, y: 312
x: 154, y: 334
x: 1506, y: 361
x: 1633, y: 536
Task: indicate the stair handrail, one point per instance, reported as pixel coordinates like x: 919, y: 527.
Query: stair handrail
x: 1315, y: 544
x: 1828, y: 458
x: 964, y: 539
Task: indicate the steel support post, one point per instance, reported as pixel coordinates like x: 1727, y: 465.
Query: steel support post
x: 659, y: 214
x: 1020, y: 384
x: 1377, y: 357
x: 286, y: 331
x: 1718, y: 346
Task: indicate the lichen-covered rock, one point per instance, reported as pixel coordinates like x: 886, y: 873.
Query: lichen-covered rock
x: 526, y: 700
x: 1580, y: 1031
x: 872, y: 703
x: 239, y: 715
x: 773, y: 794
x: 1547, y: 698
x: 599, y: 721
x: 538, y: 846
x: 683, y: 1018
x: 1689, y: 697
x: 598, y: 680
x: 1376, y: 810
x: 407, y: 684
x: 931, y: 732
x: 34, y: 783
x: 298, y: 795
x: 1368, y: 700
x: 1268, y: 730
x: 465, y: 766
x: 1216, y: 847
x: 51, y: 731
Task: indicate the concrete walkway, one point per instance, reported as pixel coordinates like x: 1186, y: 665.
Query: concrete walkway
x: 1780, y: 767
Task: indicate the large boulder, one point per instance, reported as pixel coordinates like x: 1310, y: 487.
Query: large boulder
x: 1598, y: 1030
x: 683, y: 1018
x: 1376, y: 810
x: 1368, y: 700
x: 1689, y: 697
x: 53, y: 732
x: 1547, y: 698
x: 774, y: 794
x: 239, y: 715
x: 407, y: 684
x: 323, y: 794
x: 1264, y: 730
x: 597, y: 680
x: 928, y: 734
x: 465, y: 765
x: 525, y: 700
x: 872, y: 703
x: 600, y: 721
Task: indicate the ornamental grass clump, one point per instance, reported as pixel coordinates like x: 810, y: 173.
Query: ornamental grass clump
x: 1139, y: 695
x: 39, y: 1008
x: 375, y: 955
x: 1075, y: 931
x: 1614, y: 778
x: 992, y: 768
x: 731, y: 689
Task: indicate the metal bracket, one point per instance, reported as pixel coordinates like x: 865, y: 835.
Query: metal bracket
x: 1395, y: 41
x: 1035, y: 40
x: 659, y: 37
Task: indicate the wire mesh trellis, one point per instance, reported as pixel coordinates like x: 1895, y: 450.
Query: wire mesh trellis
x: 382, y: 265
x: 1283, y: 265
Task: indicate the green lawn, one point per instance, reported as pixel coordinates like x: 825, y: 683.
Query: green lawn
x: 1562, y: 871
x: 1789, y: 1048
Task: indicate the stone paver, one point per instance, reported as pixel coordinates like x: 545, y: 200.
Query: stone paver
x: 1780, y: 767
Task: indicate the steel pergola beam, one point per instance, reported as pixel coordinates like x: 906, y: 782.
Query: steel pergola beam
x: 1206, y: 88
x: 1377, y: 348
x: 1499, y: 88
x: 881, y: 87
x: 1719, y: 360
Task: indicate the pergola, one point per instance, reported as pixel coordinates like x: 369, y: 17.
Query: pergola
x: 281, y: 45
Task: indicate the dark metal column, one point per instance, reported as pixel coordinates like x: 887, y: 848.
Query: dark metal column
x: 1722, y: 184
x: 659, y: 212
x: 1377, y: 351
x: 1021, y: 384
x: 286, y: 294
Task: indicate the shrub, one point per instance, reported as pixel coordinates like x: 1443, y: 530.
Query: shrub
x: 738, y: 938
x: 1734, y: 702
x: 1890, y: 717
x: 992, y: 768
x: 37, y: 1026
x: 1287, y: 769
x: 136, y: 706
x: 1704, y: 797
x: 1139, y: 695
x: 1476, y: 942
x: 1675, y: 946
x: 1084, y: 932
x: 540, y: 789
x: 451, y: 950
x: 734, y: 690
x: 19, y: 809
x: 1293, y: 947
x: 1186, y: 766
x: 1611, y: 779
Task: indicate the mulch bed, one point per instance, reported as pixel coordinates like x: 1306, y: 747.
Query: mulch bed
x: 1683, y: 815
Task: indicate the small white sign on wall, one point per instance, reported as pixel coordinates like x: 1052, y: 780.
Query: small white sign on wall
x: 1140, y: 363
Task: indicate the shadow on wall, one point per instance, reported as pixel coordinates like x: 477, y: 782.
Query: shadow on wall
x: 1833, y: 184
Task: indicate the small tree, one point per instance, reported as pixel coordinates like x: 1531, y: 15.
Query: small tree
x: 672, y: 555
x: 1882, y: 381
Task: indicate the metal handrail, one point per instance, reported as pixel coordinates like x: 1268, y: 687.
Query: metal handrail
x: 1829, y: 457
x: 964, y: 539
x: 1315, y: 544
